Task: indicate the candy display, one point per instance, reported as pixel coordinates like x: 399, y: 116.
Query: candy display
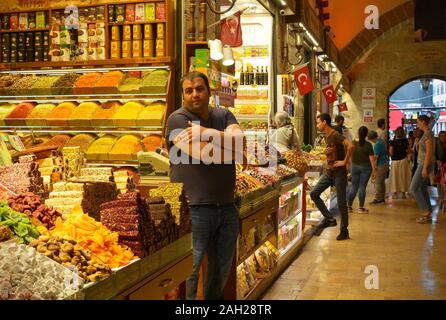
x: 38, y: 115
x: 129, y: 217
x: 109, y: 82
x: 126, y: 115
x: 124, y: 148
x: 130, y: 85
x: 59, y: 140
x: 5, y: 233
x: 72, y: 255
x: 104, y: 113
x: 22, y: 177
x: 166, y: 228
x: 155, y: 82
x: 150, y: 143
x: 20, y: 86
x: 32, y: 205
x: 28, y: 274
x: 6, y: 81
x: 174, y: 195
x: 19, y: 224
x: 150, y: 117
x: 19, y: 114
x: 82, y: 140
x: 124, y: 181
x: 95, y: 237
x: 100, y: 148
x: 85, y: 83
x: 296, y: 161
x: 65, y: 84
x: 246, y: 184
x: 82, y: 114
x: 5, y: 110
x: 72, y: 161
x: 60, y: 114
x: 44, y: 84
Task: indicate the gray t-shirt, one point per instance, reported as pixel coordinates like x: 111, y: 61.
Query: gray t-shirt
x: 204, y: 183
x: 422, y: 146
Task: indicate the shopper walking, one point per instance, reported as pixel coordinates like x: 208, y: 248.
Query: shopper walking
x: 209, y: 187
x: 418, y: 133
x: 420, y: 180
x: 339, y: 151
x: 382, y: 166
x: 285, y: 138
x: 381, y: 130
x: 400, y: 169
x: 363, y: 164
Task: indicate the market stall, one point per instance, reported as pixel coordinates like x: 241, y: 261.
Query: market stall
x: 84, y: 88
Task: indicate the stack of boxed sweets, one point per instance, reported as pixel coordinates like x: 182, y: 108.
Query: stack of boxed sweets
x: 166, y: 228
x: 129, y: 217
x: 65, y: 196
x: 124, y: 181
x: 103, y: 174
x: 23, y: 176
x: 48, y: 166
x: 88, y: 195
x: 174, y: 194
x: 73, y: 159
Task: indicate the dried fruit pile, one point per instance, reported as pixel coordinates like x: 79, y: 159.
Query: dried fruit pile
x: 69, y: 253
x: 296, y: 161
x: 31, y: 205
x: 92, y: 235
x: 19, y: 223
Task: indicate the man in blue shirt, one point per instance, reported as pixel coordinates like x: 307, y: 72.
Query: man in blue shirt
x: 381, y: 166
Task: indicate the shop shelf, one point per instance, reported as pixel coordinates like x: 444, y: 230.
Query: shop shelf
x: 290, y: 246
x: 22, y: 30
x: 291, y: 217
x: 109, y: 163
x: 83, y: 97
x: 134, y: 22
x: 251, y: 251
x: 63, y: 64
x: 128, y: 130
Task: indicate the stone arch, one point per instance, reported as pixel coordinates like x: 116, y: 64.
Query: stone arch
x: 430, y: 76
x: 366, y: 39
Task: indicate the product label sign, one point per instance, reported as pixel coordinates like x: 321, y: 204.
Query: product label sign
x: 368, y: 116
x: 368, y: 98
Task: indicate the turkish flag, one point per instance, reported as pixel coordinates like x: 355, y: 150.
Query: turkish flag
x: 231, y: 30
x: 343, y: 107
x: 329, y: 94
x: 303, y: 80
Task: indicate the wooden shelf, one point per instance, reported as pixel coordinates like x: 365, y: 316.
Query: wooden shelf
x: 90, y: 63
x: 195, y: 43
x: 25, y: 30
x: 134, y: 22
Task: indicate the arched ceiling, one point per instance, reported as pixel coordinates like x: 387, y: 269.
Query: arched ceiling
x: 347, y: 17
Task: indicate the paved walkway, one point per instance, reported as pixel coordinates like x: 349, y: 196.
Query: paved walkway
x: 408, y: 259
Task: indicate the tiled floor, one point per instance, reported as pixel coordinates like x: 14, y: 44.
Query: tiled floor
x: 407, y: 260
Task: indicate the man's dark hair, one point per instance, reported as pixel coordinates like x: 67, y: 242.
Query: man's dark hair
x: 424, y: 118
x: 339, y: 118
x: 381, y: 122
x: 441, y: 132
x: 191, y: 76
x: 325, y: 117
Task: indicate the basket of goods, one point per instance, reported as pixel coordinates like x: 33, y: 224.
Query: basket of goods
x: 296, y: 161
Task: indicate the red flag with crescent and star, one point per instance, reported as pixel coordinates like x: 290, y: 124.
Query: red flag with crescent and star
x: 231, y: 30
x: 343, y: 107
x: 303, y: 80
x: 329, y: 94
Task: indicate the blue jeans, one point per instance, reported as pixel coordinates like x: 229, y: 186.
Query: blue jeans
x: 360, y: 178
x: 214, y: 232
x: 418, y: 188
x: 340, y: 182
